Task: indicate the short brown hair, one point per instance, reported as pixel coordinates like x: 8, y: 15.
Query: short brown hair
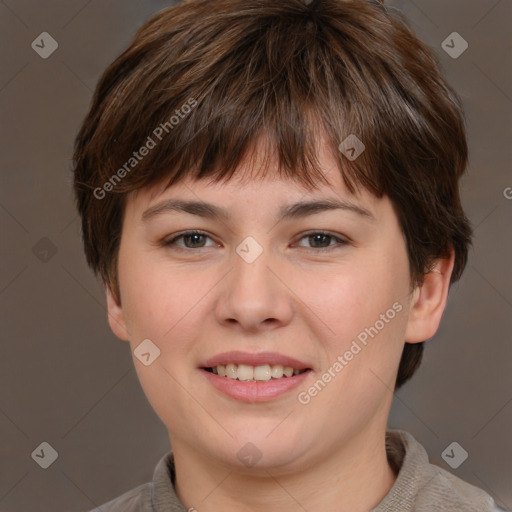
x: 280, y: 71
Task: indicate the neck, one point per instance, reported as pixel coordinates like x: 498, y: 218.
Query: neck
x: 355, y: 477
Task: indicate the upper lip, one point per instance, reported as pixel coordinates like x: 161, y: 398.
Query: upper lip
x: 254, y: 359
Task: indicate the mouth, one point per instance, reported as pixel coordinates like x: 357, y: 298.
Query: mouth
x: 254, y: 377
x: 249, y: 373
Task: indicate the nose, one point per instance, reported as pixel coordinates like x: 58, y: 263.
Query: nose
x: 254, y: 295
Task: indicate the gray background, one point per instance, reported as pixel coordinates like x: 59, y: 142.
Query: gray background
x: 65, y: 378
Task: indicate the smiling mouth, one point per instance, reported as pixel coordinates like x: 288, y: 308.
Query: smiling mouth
x: 248, y: 373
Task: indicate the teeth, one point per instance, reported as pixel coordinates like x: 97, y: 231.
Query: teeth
x: 276, y: 371
x: 231, y: 371
x: 262, y: 372
x: 247, y: 372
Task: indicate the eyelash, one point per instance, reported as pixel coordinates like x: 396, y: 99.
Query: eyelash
x: 341, y: 241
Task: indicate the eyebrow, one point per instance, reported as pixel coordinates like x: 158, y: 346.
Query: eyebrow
x: 286, y: 212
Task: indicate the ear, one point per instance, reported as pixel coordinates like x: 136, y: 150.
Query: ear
x: 429, y: 301
x: 116, y: 316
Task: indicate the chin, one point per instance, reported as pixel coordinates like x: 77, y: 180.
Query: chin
x: 254, y: 452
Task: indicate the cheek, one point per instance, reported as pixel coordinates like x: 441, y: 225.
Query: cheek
x: 365, y: 310
x: 163, y: 302
x: 354, y: 297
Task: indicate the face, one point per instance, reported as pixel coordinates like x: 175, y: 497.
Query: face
x: 261, y: 289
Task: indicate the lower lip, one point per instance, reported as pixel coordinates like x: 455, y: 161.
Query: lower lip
x: 255, y: 391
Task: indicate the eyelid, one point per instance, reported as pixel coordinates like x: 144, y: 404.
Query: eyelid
x: 177, y: 236
x: 340, y: 239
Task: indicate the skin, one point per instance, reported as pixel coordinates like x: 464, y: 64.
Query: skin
x: 296, y: 298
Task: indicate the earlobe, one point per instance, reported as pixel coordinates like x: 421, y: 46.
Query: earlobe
x: 116, y: 318
x: 429, y: 301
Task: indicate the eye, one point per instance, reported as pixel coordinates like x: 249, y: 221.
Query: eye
x: 322, y: 239
x: 196, y: 239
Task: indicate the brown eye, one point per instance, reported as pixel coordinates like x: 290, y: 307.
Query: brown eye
x: 191, y: 239
x: 322, y: 240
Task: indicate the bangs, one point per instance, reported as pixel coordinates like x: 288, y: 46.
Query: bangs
x: 270, y: 100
